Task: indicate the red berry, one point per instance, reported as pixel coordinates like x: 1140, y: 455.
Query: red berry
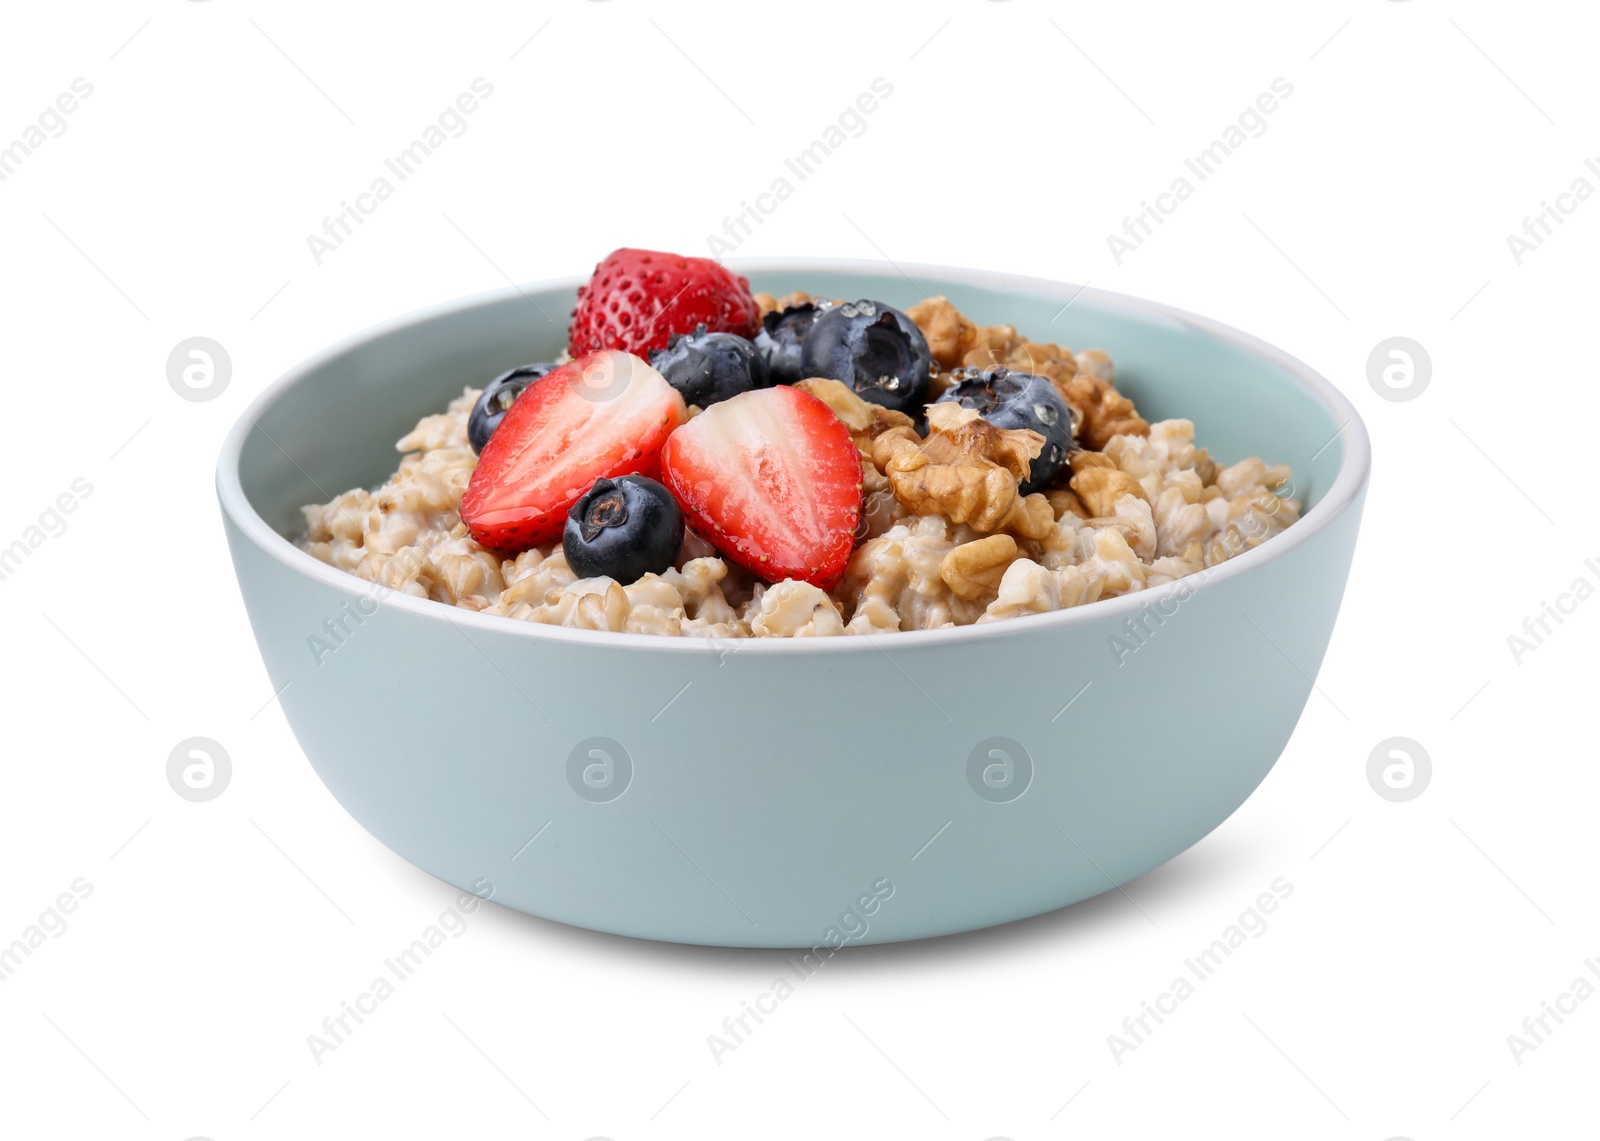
x: 773, y: 480
x: 638, y: 298
x: 601, y: 416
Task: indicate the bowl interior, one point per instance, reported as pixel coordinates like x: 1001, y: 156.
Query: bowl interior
x: 333, y: 424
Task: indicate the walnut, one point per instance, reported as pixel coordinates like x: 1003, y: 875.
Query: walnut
x: 1100, y: 487
x: 949, y: 334
x: 1103, y: 411
x: 992, y: 345
x: 955, y: 342
x: 1053, y: 361
x: 866, y: 421
x: 769, y: 303
x: 1065, y: 501
x: 974, y: 569
x: 967, y: 471
x: 1033, y: 517
x: 1080, y: 458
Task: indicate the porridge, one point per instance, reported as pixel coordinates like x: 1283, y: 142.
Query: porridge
x: 792, y: 467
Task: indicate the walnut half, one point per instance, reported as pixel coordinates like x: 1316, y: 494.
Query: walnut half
x: 975, y: 569
x: 1104, y: 411
x: 967, y: 470
x: 1065, y: 501
x: 1099, y: 488
x: 949, y: 334
x: 767, y: 303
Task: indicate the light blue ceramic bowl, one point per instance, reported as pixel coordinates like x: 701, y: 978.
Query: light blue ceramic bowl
x: 802, y: 793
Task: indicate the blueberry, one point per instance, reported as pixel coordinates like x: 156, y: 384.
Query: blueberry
x: 623, y: 528
x: 1019, y: 400
x: 498, y: 396
x: 779, y: 340
x: 874, y: 348
x: 708, y: 367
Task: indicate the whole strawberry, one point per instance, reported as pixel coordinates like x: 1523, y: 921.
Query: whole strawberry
x: 637, y: 299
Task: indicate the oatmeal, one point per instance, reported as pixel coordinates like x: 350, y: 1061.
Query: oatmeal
x: 717, y: 493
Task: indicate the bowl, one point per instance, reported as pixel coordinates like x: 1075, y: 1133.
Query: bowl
x: 810, y: 793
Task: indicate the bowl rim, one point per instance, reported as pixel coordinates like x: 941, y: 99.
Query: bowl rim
x: 1345, y: 491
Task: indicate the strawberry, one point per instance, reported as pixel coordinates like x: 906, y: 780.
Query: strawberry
x: 773, y: 480
x: 601, y: 416
x: 639, y: 298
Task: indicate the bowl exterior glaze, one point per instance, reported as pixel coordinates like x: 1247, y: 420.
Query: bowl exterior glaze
x: 852, y: 790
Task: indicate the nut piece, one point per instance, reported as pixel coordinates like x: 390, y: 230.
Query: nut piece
x: 992, y: 345
x: 967, y: 471
x: 866, y: 420
x: 949, y: 334
x: 1080, y: 458
x: 975, y: 569
x: 1103, y: 411
x: 767, y: 303
x: 1033, y: 517
x: 1065, y: 501
x: 1049, y: 360
x: 956, y: 342
x: 1100, y: 487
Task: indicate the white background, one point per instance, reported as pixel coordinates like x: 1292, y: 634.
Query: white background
x: 219, y: 935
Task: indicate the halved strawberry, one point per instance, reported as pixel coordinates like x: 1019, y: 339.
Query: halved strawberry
x: 637, y: 299
x: 773, y: 480
x: 603, y: 415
